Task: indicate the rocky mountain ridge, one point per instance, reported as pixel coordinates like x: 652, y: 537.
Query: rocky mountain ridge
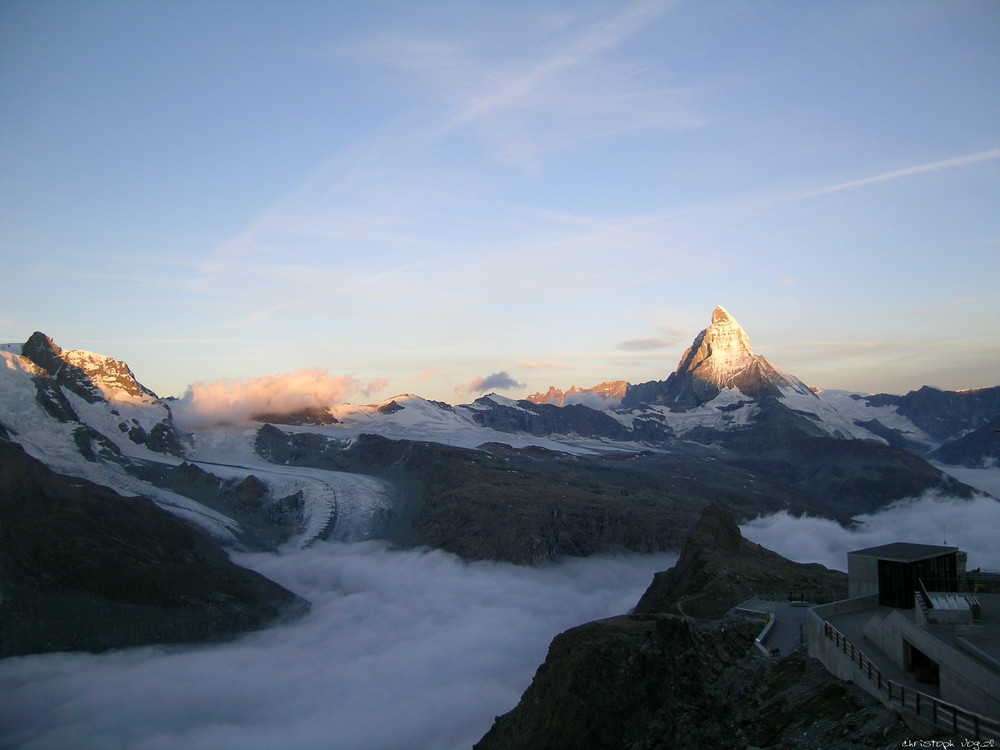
x: 612, y: 391
x: 91, y: 376
x: 718, y: 568
x: 725, y: 427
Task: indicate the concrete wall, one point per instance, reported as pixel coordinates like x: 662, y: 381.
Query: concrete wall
x: 885, y: 634
x: 844, y: 606
x: 822, y: 648
x: 963, y: 681
x: 835, y: 660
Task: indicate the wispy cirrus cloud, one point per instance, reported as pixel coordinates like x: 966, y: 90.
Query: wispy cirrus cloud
x: 569, y: 81
x: 934, y: 166
x: 553, y: 83
x: 546, y: 88
x: 559, y: 364
x: 669, y: 336
x: 642, y: 345
x: 386, y: 215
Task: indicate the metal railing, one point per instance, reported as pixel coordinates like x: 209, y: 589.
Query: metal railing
x: 941, y: 713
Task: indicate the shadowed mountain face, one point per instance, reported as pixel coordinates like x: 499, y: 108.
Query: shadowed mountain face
x: 978, y: 449
x: 84, y: 569
x: 530, y: 505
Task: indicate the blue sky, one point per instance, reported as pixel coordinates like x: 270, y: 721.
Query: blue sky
x: 426, y: 194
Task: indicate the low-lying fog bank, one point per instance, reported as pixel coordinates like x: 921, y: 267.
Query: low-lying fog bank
x: 972, y: 525
x: 407, y: 649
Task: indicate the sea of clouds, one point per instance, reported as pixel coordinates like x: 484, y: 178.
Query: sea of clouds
x: 403, y: 649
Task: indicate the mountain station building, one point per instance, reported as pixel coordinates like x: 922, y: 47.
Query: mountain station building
x: 893, y: 571
x: 920, y: 633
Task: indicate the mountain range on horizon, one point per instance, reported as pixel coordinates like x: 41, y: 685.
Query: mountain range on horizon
x: 88, y: 415
x: 630, y: 467
x: 720, y: 388
x: 721, y: 357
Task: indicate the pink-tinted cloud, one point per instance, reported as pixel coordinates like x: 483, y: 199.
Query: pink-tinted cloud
x: 374, y: 386
x: 236, y: 401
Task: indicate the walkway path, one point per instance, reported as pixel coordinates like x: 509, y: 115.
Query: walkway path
x: 788, y: 632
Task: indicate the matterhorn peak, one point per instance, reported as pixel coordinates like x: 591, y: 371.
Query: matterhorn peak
x: 721, y: 315
x: 720, y: 358
x: 719, y: 353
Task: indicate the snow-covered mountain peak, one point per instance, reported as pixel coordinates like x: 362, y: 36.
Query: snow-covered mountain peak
x: 92, y: 376
x: 720, y: 358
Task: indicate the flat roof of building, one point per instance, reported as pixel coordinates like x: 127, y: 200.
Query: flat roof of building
x: 904, y: 551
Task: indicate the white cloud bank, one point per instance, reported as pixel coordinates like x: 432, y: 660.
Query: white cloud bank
x: 236, y: 401
x: 971, y: 525
x: 403, y: 649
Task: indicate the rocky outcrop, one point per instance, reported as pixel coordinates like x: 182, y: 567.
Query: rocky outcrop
x: 547, y: 419
x: 88, y: 375
x: 96, y: 379
x: 718, y: 569
x: 53, y: 401
x: 652, y: 681
x: 43, y: 352
x: 609, y: 393
x: 851, y: 476
x: 527, y: 505
x: 309, y: 416
x: 110, y: 376
x: 82, y: 568
x: 660, y: 682
x: 265, y: 522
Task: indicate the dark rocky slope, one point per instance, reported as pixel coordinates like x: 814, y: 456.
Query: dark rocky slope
x: 661, y: 682
x: 653, y: 680
x: 530, y: 505
x: 82, y: 568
